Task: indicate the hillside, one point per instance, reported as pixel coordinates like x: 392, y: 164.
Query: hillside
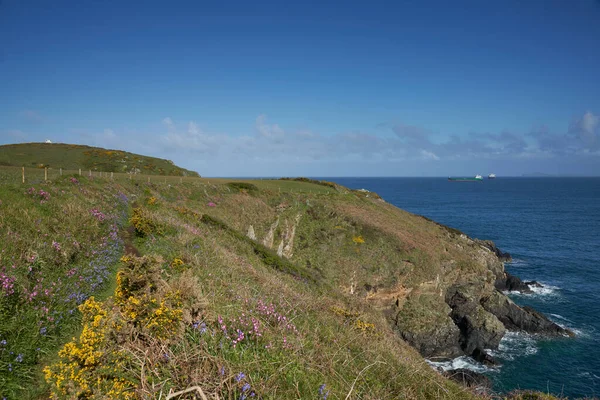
x: 73, y: 157
x: 227, y: 289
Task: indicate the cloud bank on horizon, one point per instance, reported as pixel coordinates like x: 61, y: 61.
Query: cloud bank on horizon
x: 392, y: 149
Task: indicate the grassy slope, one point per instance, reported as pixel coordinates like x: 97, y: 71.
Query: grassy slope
x: 73, y: 157
x: 313, y: 332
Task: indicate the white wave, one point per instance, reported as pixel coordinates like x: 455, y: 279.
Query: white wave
x: 567, y: 324
x: 515, y: 344
x: 561, y: 317
x: 462, y: 362
x: 588, y: 375
x: 517, y: 262
x: 542, y: 290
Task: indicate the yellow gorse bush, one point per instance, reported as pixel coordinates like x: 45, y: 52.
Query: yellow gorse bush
x: 91, y: 366
x: 358, y: 239
x: 141, y: 304
x: 86, y: 369
x: 142, y: 223
x: 364, y: 327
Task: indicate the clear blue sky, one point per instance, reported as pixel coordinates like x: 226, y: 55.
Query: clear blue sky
x: 405, y: 88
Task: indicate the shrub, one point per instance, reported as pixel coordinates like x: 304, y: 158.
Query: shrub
x: 142, y: 223
x: 243, y: 186
x: 308, y: 180
x: 86, y: 370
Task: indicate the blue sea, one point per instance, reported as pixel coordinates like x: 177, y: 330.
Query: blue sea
x: 551, y: 226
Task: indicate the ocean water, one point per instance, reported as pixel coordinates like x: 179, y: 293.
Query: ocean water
x: 551, y: 226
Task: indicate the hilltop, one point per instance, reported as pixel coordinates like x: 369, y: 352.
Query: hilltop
x: 237, y: 289
x: 74, y: 156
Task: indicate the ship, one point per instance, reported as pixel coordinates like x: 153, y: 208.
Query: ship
x: 492, y: 176
x: 476, y: 178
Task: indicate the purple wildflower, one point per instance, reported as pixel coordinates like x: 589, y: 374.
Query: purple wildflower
x: 239, y: 377
x: 322, y: 392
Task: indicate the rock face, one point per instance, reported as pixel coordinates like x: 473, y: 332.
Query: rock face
x: 469, y: 379
x: 521, y: 318
x: 464, y: 315
x: 512, y: 283
x: 479, y: 328
x: 488, y: 244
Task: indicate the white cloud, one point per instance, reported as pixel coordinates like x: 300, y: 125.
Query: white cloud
x: 271, y: 147
x: 428, y: 155
x: 589, y: 122
x: 269, y: 131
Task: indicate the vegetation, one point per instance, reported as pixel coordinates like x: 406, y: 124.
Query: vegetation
x: 315, y: 181
x: 74, y: 157
x: 243, y: 186
x: 125, y: 289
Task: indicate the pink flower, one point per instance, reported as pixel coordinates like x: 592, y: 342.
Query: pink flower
x: 211, y: 204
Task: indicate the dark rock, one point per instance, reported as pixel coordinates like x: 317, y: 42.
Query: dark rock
x: 468, y: 378
x: 479, y: 329
x: 512, y: 283
x: 488, y: 244
x: 534, y: 284
x: 437, y: 342
x: 483, y: 357
x: 521, y: 318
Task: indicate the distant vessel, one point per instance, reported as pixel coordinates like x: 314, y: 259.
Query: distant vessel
x: 492, y: 176
x: 476, y: 178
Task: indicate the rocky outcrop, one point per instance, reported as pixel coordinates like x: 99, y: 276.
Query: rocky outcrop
x: 268, y: 240
x: 251, y: 233
x: 470, y: 379
x: 488, y: 244
x: 511, y: 283
x: 441, y: 341
x: 470, y: 313
x: 479, y: 329
x: 517, y: 318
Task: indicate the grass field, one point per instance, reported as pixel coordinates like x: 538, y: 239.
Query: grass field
x: 123, y: 288
x: 74, y: 157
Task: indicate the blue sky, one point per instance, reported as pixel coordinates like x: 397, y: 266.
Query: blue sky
x: 405, y: 88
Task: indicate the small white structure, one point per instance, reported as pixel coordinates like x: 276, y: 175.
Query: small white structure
x: 48, y: 141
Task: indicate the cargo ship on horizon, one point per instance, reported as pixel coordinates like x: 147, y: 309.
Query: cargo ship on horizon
x: 476, y: 178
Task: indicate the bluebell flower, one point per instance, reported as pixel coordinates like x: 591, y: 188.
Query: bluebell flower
x: 19, y: 358
x: 239, y: 377
x: 322, y: 392
x: 246, y: 387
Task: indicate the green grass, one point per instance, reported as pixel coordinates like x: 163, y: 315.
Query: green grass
x: 74, y: 157
x: 306, y: 318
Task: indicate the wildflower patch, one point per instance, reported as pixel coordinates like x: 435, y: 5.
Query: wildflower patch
x: 143, y: 224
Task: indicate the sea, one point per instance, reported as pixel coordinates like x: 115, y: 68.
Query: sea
x: 551, y: 227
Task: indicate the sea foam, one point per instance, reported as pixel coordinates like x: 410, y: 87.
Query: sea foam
x: 462, y: 362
